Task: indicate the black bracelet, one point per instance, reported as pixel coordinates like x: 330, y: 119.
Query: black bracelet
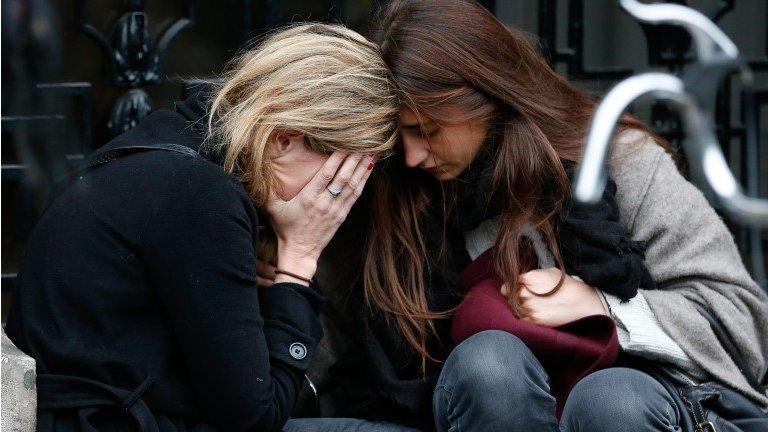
x: 293, y: 275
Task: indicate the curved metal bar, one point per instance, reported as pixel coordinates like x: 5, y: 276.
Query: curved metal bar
x: 591, y: 176
x: 90, y: 30
x: 98, y: 37
x: 181, y: 24
x: 703, y: 150
x: 707, y: 37
x: 692, y: 97
x: 708, y: 163
x: 171, y: 33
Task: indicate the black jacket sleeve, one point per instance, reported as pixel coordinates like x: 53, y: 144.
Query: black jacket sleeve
x: 246, y: 348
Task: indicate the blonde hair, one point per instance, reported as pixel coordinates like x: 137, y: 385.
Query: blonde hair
x: 324, y: 81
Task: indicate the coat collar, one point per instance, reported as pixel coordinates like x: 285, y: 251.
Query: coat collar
x: 185, y: 125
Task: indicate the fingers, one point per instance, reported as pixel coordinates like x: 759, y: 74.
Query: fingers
x: 361, y: 174
x: 325, y: 175
x: 265, y: 269
x: 528, y: 304
x: 358, y: 181
x: 540, y: 281
x: 266, y: 273
x: 264, y: 283
x: 345, y: 173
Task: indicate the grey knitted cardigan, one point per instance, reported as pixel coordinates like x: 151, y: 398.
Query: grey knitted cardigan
x: 693, y: 258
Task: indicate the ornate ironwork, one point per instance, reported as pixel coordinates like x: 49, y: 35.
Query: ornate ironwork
x: 135, y: 58
x: 695, y: 96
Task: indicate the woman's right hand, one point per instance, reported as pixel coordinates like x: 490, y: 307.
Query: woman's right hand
x: 573, y: 300
x: 305, y: 225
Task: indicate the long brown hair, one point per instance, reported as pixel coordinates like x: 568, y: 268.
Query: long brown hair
x: 454, y: 53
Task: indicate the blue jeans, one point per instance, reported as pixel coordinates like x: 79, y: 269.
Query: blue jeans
x: 492, y: 382
x: 342, y: 425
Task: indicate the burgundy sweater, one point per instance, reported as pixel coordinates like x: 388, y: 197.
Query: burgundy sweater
x: 568, y: 352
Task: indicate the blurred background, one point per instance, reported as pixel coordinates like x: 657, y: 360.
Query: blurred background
x: 76, y: 73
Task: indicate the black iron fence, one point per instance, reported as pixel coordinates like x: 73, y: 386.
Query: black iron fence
x: 77, y: 72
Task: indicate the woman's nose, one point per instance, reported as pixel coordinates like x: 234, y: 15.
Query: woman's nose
x: 416, y: 151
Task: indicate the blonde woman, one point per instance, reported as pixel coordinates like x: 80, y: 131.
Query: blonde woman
x: 138, y: 295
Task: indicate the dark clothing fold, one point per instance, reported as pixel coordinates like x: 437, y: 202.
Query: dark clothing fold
x: 138, y: 298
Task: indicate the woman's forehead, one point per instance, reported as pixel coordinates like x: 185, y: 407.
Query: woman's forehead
x: 410, y: 120
x: 444, y: 116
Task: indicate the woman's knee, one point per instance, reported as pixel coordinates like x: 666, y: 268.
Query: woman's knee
x: 492, y: 381
x: 492, y: 361
x: 617, y: 399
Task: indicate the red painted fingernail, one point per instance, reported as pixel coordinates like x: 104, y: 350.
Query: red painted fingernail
x: 370, y: 166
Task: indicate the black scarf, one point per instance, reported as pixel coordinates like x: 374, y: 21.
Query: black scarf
x: 600, y: 250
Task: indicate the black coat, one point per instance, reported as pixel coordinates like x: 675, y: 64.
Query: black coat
x: 138, y: 299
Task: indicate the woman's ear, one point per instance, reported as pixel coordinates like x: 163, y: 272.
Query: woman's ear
x: 282, y: 142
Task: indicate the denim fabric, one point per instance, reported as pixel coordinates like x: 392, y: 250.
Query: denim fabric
x: 620, y: 399
x: 492, y: 382
x: 342, y: 425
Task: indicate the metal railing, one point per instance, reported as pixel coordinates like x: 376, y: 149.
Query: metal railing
x: 693, y: 96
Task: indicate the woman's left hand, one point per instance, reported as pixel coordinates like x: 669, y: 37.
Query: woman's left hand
x: 575, y: 299
x: 266, y: 273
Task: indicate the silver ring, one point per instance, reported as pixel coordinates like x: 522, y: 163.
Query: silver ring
x: 333, y: 193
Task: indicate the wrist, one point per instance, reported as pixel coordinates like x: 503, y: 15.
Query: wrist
x: 293, y: 251
x: 597, y: 306
x: 302, y: 266
x: 282, y: 278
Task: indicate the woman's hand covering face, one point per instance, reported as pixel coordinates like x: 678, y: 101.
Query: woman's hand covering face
x: 574, y: 300
x: 305, y: 224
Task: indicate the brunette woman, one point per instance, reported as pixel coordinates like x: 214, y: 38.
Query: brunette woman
x: 138, y: 295
x: 490, y: 135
